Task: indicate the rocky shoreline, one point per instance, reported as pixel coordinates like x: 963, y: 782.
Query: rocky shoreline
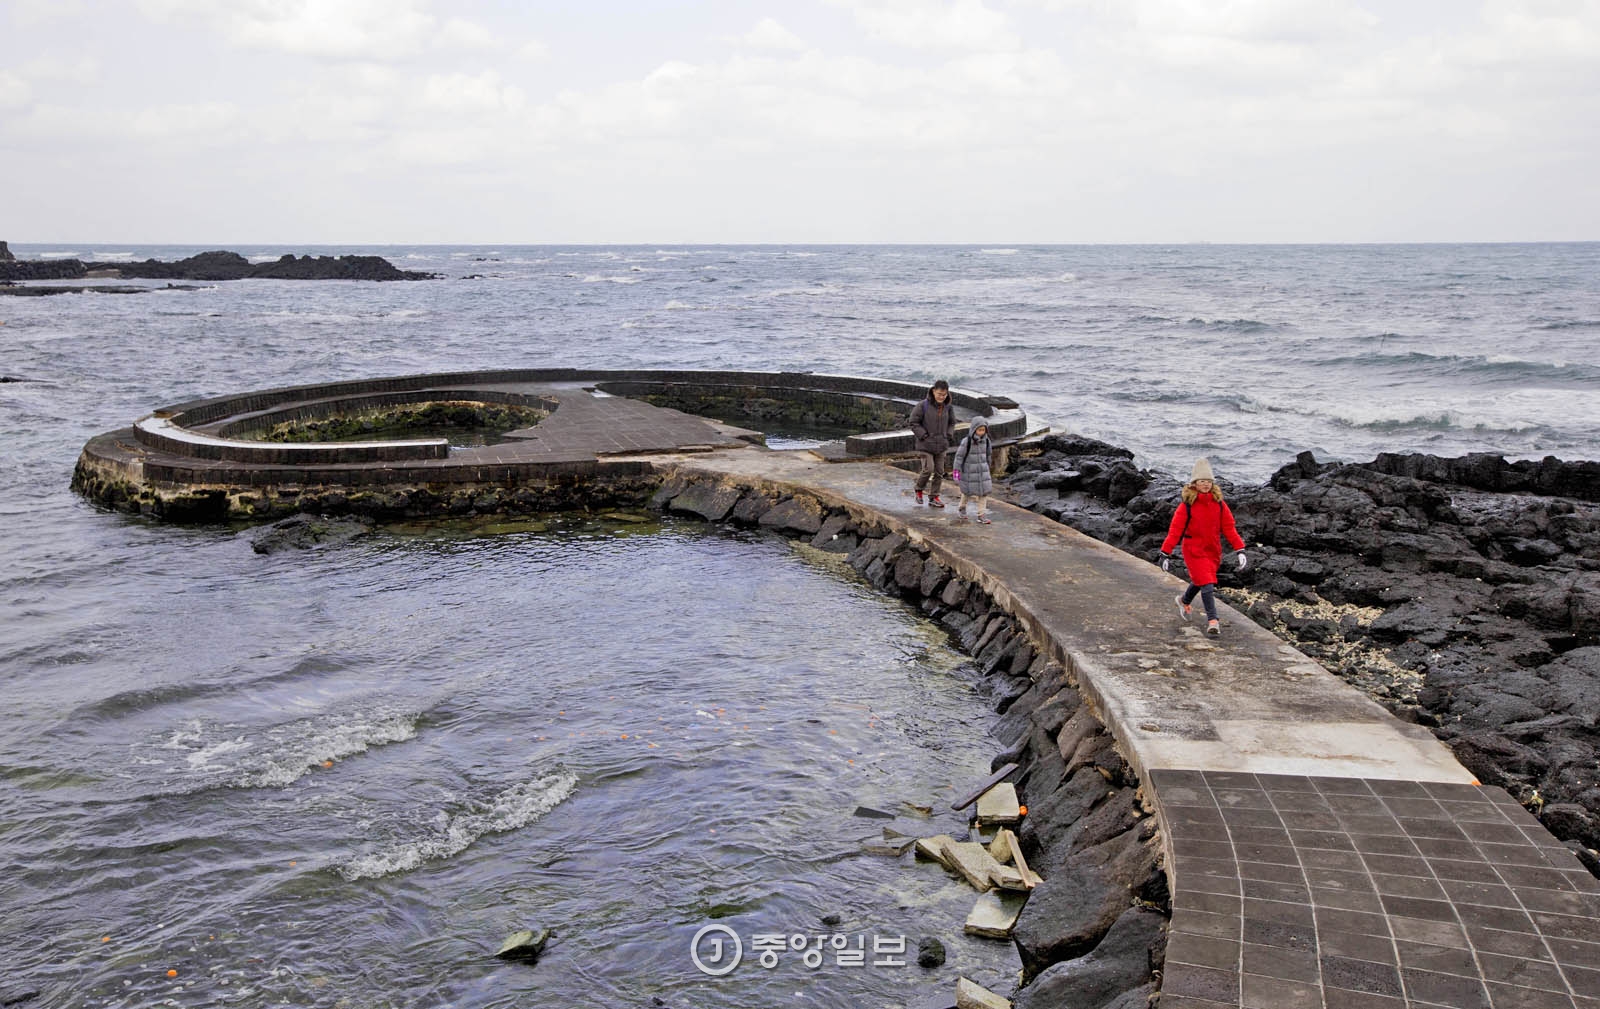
x: 1092, y: 934
x: 1463, y: 594
x: 207, y: 266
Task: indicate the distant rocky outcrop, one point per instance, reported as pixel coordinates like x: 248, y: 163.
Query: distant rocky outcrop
x: 213, y: 266
x: 5, y: 254
x: 1462, y: 593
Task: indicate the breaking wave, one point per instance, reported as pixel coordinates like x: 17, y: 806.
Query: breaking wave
x: 453, y: 831
x: 203, y: 754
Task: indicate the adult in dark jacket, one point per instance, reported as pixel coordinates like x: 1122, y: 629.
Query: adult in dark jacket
x: 1199, y: 525
x: 932, y: 421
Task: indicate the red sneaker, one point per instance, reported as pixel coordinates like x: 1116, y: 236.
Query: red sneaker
x: 934, y: 502
x: 919, y: 497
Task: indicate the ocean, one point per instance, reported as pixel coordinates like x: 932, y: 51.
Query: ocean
x: 340, y: 777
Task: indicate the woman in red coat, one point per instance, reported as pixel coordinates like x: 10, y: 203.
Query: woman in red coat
x: 1199, y: 525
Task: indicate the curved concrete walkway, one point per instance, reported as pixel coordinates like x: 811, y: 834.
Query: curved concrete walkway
x: 1320, y: 852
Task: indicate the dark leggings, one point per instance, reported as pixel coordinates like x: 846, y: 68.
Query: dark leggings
x: 1207, y: 594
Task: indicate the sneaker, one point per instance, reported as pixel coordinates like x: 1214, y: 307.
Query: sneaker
x: 985, y: 520
x: 919, y: 497
x: 1184, y: 609
x: 1213, y: 629
x: 962, y: 511
x: 934, y: 502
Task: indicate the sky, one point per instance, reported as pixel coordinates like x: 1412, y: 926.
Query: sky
x: 805, y: 121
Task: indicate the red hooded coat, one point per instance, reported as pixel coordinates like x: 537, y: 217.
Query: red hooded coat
x: 1209, y: 519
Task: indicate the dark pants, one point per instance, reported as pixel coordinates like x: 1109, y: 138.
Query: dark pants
x: 932, y: 467
x: 1207, y: 594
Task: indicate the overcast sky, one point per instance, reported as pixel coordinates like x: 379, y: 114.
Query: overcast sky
x: 1022, y: 121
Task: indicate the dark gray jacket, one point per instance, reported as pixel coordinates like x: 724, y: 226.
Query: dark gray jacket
x: 932, y: 423
x: 972, y: 462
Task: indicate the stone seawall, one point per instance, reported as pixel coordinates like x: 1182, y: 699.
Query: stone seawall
x: 1093, y: 932
x: 126, y: 483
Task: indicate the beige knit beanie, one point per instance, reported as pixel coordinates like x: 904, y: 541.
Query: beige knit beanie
x: 1202, y: 471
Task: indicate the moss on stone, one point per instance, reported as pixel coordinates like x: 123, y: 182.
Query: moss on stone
x: 408, y: 420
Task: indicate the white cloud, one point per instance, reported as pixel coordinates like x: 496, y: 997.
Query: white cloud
x: 769, y: 34
x: 1297, y: 21
x: 31, y: 12
x: 337, y: 29
x: 49, y: 66
x: 168, y: 121
x: 1132, y: 113
x: 471, y: 93
x: 14, y: 91
x: 935, y: 24
x: 464, y: 34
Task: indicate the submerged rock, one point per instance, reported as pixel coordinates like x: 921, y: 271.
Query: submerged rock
x: 302, y: 532
x: 524, y: 945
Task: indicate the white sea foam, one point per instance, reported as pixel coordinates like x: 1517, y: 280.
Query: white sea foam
x: 289, y: 752
x: 1514, y: 412
x: 211, y: 757
x: 453, y: 831
x: 678, y: 306
x: 1514, y: 359
x: 596, y: 278
x: 789, y: 292
x: 59, y: 255
x: 998, y: 252
x: 205, y: 754
x: 119, y: 256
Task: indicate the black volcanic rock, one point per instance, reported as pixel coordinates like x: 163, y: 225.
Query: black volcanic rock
x: 218, y: 266
x: 41, y: 269
x: 335, y: 268
x: 5, y: 254
x: 1462, y: 593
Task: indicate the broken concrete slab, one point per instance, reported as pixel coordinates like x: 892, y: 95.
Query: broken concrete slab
x: 1001, y: 847
x: 999, y: 775
x: 994, y: 915
x: 972, y: 861
x: 1007, y: 878
x: 932, y: 848
x: 999, y: 805
x: 971, y: 995
x: 896, y: 847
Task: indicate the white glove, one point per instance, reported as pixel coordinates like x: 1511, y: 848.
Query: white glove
x: 1242, y: 559
x: 1166, y: 562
